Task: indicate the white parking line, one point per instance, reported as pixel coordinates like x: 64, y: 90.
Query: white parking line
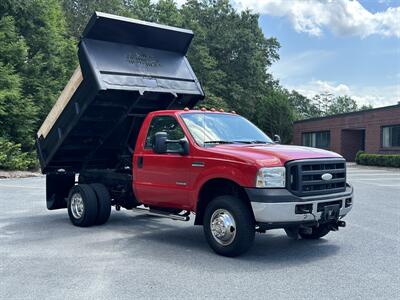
x: 374, y: 172
x: 375, y: 179
x: 20, y: 187
x: 390, y: 185
x: 360, y: 174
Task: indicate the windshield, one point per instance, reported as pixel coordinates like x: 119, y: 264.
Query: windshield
x: 216, y: 128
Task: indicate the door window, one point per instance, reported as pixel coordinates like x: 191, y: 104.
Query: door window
x: 166, y: 124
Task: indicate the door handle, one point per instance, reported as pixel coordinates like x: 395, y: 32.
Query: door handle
x: 140, y: 162
x: 198, y: 164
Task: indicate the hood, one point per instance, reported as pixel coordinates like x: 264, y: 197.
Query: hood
x: 272, y: 154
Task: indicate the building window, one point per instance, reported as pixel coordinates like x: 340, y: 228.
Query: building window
x: 321, y: 139
x: 391, y: 136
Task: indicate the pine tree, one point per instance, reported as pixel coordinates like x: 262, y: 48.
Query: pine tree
x: 17, y: 113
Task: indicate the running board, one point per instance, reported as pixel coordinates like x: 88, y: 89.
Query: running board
x: 163, y: 214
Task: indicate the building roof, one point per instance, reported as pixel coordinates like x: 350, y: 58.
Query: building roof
x: 350, y: 113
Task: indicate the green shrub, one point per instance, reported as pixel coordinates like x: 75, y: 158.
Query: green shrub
x: 382, y: 160
x: 12, y: 158
x: 358, y: 156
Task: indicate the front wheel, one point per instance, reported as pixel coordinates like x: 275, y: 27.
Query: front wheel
x: 229, y: 226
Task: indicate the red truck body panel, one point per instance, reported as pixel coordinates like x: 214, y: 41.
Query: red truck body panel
x: 170, y: 180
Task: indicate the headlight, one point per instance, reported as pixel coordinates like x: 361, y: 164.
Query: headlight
x: 271, y: 177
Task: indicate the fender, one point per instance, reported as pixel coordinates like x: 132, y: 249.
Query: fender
x: 241, y: 173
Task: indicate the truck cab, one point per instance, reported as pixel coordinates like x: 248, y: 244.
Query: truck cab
x: 125, y: 133
x: 187, y: 159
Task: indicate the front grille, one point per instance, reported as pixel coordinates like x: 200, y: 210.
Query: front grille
x: 304, y: 177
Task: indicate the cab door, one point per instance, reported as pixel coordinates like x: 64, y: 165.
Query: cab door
x: 162, y: 179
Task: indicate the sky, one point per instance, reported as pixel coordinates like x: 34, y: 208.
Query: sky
x: 343, y: 47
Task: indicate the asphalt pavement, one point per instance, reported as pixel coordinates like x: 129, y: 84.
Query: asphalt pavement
x: 42, y: 256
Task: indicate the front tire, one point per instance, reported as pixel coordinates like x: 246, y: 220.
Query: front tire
x: 82, y: 205
x: 316, y: 232
x: 229, y: 226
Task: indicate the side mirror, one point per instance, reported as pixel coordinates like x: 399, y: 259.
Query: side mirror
x: 160, y: 145
x: 277, y: 139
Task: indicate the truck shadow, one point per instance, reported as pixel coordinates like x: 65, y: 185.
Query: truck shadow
x: 185, y: 243
x: 166, y: 240
x: 271, y: 248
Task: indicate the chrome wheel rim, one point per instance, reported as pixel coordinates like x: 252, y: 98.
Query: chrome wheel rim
x: 77, y: 205
x: 223, y: 227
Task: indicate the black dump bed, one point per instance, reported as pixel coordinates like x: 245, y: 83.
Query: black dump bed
x: 128, y: 68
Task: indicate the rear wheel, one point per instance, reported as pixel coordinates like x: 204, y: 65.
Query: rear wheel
x: 103, y: 203
x: 228, y: 226
x: 82, y: 205
x: 314, y: 232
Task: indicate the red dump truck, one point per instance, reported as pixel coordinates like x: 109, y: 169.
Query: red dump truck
x: 124, y: 133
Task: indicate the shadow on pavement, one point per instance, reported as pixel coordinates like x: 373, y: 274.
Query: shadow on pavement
x: 164, y: 240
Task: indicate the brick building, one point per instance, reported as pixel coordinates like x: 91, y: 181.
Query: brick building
x: 374, y: 131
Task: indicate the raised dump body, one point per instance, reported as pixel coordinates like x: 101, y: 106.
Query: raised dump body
x: 128, y: 68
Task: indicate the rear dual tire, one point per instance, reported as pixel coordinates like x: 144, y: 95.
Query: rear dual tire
x: 89, y: 205
x: 103, y: 203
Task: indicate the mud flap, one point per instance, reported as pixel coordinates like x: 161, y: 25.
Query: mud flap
x: 57, y: 189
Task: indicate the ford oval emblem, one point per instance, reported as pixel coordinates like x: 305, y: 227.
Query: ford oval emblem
x: 326, y: 176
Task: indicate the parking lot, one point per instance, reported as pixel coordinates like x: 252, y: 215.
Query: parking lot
x: 134, y: 256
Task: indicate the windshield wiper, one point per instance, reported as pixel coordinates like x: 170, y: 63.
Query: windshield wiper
x: 235, y: 142
x: 218, y: 142
x: 252, y: 142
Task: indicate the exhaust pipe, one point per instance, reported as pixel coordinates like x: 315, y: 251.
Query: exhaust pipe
x: 159, y: 213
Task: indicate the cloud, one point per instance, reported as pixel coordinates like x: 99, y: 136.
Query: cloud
x: 342, y: 17
x: 374, y: 95
x: 300, y: 64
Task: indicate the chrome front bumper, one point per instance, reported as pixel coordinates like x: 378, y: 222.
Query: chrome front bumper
x: 275, y: 207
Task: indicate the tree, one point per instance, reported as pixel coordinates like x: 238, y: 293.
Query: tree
x: 275, y: 115
x: 342, y: 104
x: 326, y: 104
x: 17, y: 113
x: 303, y: 107
x: 78, y: 12
x: 51, y: 56
x: 322, y: 103
x: 230, y: 53
x: 166, y: 12
x: 366, y: 106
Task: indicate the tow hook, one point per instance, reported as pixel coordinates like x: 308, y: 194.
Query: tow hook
x: 335, y: 226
